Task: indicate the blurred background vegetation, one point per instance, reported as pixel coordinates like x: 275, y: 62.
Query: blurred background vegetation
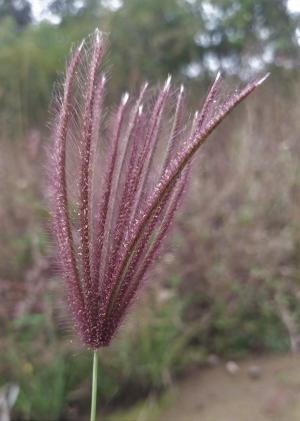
x: 229, y: 283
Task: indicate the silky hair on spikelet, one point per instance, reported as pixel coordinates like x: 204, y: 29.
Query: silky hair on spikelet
x: 117, y: 179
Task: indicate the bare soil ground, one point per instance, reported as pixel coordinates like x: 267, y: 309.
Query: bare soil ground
x: 215, y: 395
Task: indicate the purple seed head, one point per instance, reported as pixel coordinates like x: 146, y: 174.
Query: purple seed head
x: 116, y: 182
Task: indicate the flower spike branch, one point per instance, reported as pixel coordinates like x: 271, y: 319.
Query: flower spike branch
x: 108, y: 235
x: 117, y: 180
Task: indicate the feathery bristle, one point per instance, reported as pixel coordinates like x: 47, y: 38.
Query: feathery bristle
x: 128, y: 190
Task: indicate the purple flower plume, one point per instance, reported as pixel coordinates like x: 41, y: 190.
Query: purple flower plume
x: 117, y: 179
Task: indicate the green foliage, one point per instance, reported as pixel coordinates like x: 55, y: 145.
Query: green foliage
x: 154, y: 29
x: 155, y: 351
x: 142, y: 359
x: 148, y: 39
x: 149, y: 409
x: 20, y: 10
x: 32, y: 59
x: 248, y: 322
x: 40, y: 375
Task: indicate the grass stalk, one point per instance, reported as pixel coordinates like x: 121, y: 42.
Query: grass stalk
x: 94, y: 387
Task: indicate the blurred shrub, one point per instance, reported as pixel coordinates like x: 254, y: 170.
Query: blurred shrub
x: 54, y: 378
x: 156, y: 348
x: 30, y: 63
x: 248, y: 322
x: 185, y: 38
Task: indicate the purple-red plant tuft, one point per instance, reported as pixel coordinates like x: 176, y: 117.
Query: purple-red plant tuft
x: 117, y: 180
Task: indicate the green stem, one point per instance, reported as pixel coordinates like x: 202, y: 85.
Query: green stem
x: 94, y: 387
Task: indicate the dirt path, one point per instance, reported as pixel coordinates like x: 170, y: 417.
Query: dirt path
x: 215, y: 395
